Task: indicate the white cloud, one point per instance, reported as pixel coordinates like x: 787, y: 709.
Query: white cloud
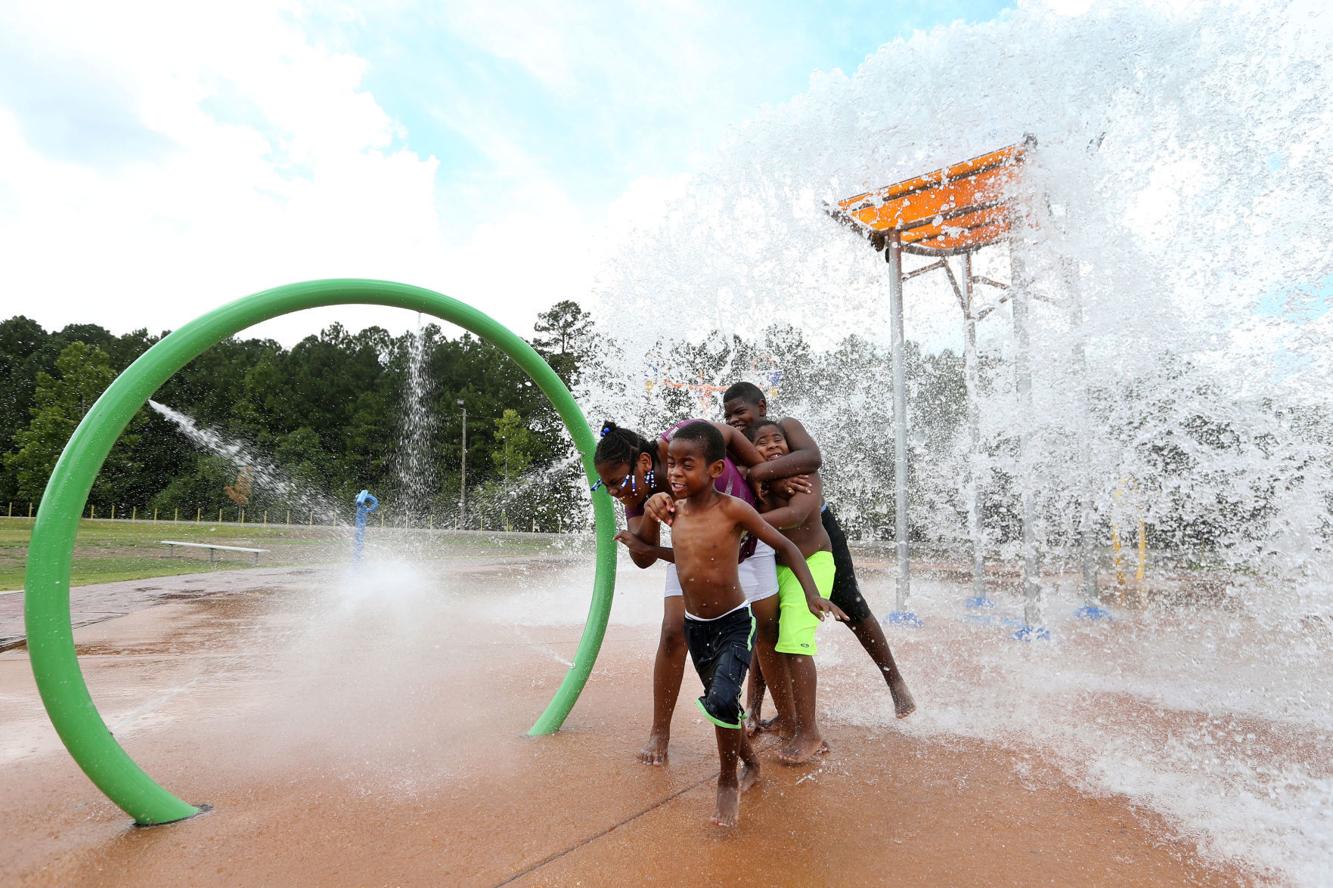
x: 275, y: 165
x: 158, y: 158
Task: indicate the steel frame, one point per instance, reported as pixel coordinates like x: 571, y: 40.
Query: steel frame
x: 894, y: 243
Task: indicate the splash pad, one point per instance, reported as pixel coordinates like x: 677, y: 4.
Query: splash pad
x: 55, y: 665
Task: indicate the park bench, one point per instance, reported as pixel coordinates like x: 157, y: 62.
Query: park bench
x: 213, y: 549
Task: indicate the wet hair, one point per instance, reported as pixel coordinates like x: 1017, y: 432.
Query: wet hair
x: 746, y: 391
x: 621, y: 446
x: 707, y: 435
x: 753, y: 431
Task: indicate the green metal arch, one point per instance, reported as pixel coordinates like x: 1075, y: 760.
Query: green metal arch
x: 46, y: 588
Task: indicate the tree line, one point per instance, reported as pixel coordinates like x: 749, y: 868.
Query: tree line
x: 342, y: 411
x: 327, y: 413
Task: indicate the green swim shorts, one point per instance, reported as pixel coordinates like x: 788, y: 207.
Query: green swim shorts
x: 796, y: 625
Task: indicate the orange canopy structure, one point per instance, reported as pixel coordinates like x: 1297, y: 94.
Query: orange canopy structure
x: 953, y: 211
x: 957, y: 209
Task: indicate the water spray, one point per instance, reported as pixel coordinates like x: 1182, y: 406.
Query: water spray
x: 46, y: 605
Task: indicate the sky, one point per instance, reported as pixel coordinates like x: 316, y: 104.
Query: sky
x: 160, y: 159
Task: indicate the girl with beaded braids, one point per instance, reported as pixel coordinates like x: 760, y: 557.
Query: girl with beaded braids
x: 631, y: 469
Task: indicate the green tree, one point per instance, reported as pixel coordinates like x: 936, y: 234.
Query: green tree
x: 199, y: 488
x: 82, y: 373
x: 566, y: 339
x: 20, y: 339
x: 517, y: 448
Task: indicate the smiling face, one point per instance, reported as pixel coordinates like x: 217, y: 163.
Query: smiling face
x: 770, y: 442
x: 625, y: 483
x: 688, y: 470
x: 741, y: 414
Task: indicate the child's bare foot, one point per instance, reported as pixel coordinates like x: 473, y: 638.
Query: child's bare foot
x: 801, y: 749
x: 654, y: 752
x: 749, y: 765
x: 771, y: 730
x: 903, y: 704
x: 749, y: 774
x: 728, y: 811
x: 753, y: 725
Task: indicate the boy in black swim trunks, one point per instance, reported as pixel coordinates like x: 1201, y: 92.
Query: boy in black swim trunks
x: 706, y: 531
x: 744, y: 405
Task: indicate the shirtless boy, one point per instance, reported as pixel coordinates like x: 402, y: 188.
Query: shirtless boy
x: 706, y: 531
x: 632, y: 469
x: 743, y: 405
x: 796, y: 682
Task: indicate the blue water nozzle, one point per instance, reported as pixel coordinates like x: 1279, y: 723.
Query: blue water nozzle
x: 905, y: 618
x: 366, y: 502
x: 1092, y: 612
x: 1032, y: 633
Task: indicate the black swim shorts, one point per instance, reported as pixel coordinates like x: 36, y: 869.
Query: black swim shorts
x: 720, y: 650
x: 846, y: 593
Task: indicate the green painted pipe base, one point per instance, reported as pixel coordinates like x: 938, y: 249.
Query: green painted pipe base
x: 46, y: 585
x: 201, y: 808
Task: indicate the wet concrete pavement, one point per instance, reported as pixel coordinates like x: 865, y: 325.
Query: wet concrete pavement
x: 356, y: 743
x: 105, y: 601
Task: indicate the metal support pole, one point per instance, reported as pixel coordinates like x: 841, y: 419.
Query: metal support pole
x: 1087, y: 540
x: 970, y: 375
x: 462, y: 485
x: 1143, y: 556
x: 1033, y: 620
x: 893, y: 254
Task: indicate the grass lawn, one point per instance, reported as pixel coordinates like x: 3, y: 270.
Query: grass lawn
x: 106, y: 551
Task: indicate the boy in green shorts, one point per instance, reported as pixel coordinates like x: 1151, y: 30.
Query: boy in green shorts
x: 744, y: 405
x: 798, y: 517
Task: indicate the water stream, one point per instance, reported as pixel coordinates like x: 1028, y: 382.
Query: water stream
x: 1171, y: 238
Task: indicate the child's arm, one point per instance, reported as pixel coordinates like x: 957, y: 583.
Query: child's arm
x: 799, y: 507
x: 643, y: 552
x: 748, y: 519
x: 803, y: 459
x: 738, y: 445
x: 643, y: 539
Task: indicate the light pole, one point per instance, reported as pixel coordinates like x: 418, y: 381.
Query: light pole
x: 462, y: 487
x: 504, y: 503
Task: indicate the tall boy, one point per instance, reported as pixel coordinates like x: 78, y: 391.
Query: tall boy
x: 744, y: 405
x: 706, y: 531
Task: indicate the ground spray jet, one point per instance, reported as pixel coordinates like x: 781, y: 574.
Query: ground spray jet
x: 366, y: 502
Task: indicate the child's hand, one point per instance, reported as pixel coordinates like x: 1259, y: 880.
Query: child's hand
x: 635, y: 545
x: 661, y: 507
x: 789, y: 487
x: 822, y: 607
